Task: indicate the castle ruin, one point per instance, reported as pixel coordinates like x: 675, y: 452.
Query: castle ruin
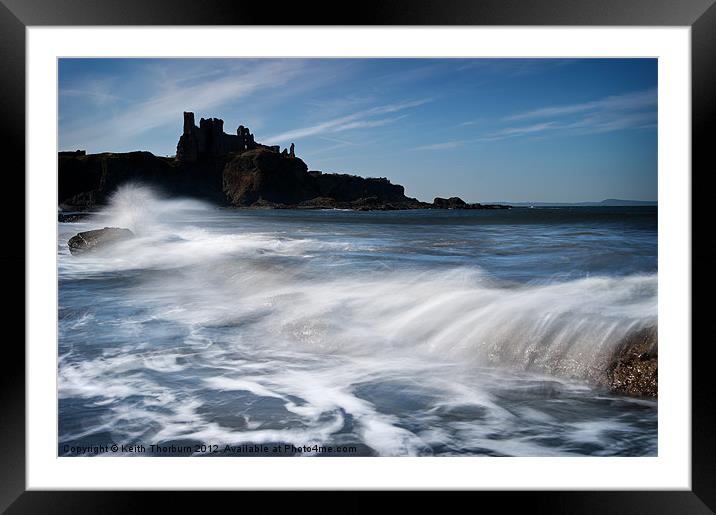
x: 209, y: 140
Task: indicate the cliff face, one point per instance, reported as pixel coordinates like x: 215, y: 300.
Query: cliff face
x: 255, y: 178
x: 230, y: 170
x: 347, y: 188
x: 86, y: 181
x: 261, y: 178
x: 261, y: 175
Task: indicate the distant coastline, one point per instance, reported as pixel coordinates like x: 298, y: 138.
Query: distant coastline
x: 610, y: 202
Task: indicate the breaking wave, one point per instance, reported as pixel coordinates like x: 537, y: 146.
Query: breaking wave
x: 212, y: 325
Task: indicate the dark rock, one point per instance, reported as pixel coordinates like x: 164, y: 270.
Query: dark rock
x: 91, y: 240
x: 377, y: 204
x: 629, y: 369
x: 368, y: 204
x: 633, y: 369
x: 267, y: 204
x: 292, y: 151
x: 493, y: 206
x: 349, y: 188
x: 87, y: 181
x: 261, y: 178
x: 84, y: 200
x: 449, y: 203
x: 71, y: 217
x: 458, y: 203
x: 263, y: 174
x: 319, y: 203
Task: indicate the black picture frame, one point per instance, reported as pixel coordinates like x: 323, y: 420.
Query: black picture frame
x: 16, y: 15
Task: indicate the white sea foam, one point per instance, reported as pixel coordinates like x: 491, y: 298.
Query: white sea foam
x: 333, y: 347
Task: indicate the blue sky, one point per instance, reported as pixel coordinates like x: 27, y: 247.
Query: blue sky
x: 543, y: 130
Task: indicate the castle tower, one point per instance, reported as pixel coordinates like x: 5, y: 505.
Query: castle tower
x: 209, y: 140
x: 188, y: 147
x: 241, y: 134
x: 188, y: 122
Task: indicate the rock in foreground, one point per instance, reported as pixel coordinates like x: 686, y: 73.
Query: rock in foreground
x: 634, y: 367
x: 630, y: 367
x: 90, y: 240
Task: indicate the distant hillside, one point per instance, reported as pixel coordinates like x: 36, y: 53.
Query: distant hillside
x: 610, y: 202
x: 620, y: 202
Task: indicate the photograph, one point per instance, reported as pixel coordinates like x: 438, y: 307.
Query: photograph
x: 357, y: 257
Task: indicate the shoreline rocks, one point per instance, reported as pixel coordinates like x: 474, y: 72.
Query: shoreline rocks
x: 629, y: 369
x: 91, y: 240
x: 458, y: 203
x: 71, y: 217
x: 633, y: 369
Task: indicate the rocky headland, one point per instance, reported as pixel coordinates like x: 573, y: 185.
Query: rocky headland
x: 231, y: 170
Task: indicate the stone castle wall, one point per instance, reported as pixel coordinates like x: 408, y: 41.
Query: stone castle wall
x: 209, y: 140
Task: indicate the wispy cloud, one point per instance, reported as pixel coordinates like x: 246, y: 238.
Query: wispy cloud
x: 634, y: 110
x: 98, y: 92
x: 415, y: 74
x: 367, y: 124
x: 338, y: 140
x: 443, y: 145
x: 176, y: 96
x: 528, y: 129
x: 337, y: 144
x: 359, y: 120
x: 513, y: 67
x: 509, y: 132
x: 335, y: 105
x: 616, y: 103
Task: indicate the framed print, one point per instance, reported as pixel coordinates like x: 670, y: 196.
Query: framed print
x: 429, y: 251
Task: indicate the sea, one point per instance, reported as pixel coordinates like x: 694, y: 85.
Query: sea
x: 224, y: 332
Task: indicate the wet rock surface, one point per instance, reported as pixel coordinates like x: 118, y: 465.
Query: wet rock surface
x: 633, y: 369
x: 91, y: 240
x: 71, y: 217
x: 629, y: 368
